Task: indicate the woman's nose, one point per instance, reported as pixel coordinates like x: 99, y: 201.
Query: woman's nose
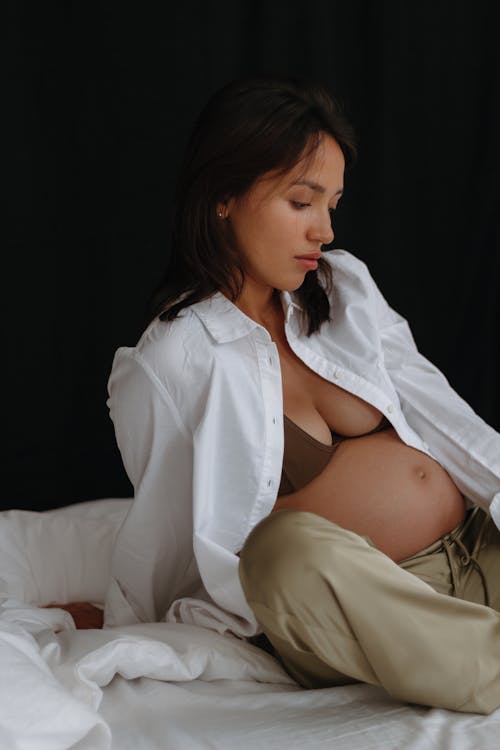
x: 321, y: 230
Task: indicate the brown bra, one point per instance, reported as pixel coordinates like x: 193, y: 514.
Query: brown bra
x: 305, y: 457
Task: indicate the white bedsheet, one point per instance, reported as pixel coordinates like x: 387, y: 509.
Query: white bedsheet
x: 159, y: 685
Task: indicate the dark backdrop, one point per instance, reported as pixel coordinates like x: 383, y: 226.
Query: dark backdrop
x: 99, y: 101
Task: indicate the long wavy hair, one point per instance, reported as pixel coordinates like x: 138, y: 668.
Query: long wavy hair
x: 248, y: 128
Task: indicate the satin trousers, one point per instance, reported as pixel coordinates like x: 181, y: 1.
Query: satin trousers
x: 336, y: 610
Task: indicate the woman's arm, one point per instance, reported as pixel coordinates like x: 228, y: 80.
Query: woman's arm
x: 152, y: 557
x: 458, y: 438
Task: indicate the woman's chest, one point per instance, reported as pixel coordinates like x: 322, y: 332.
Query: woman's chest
x: 318, y: 406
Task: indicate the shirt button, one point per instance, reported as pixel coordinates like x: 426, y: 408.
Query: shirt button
x: 274, y: 420
x: 270, y: 360
x: 390, y: 408
x: 270, y: 483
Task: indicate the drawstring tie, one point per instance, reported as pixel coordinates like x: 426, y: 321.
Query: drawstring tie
x: 466, y: 558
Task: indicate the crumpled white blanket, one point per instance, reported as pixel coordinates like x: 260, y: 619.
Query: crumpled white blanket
x: 50, y: 690
x: 51, y: 682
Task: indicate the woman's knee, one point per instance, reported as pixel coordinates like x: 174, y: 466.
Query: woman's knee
x: 288, y: 547
x: 270, y: 552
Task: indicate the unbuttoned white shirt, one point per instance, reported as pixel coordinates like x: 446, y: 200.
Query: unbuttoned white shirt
x: 198, y: 415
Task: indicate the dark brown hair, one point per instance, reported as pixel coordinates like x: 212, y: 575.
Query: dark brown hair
x: 248, y: 128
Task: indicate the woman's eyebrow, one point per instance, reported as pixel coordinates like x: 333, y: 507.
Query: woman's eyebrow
x: 315, y: 186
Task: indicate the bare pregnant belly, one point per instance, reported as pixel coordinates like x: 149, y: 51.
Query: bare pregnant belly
x: 378, y: 486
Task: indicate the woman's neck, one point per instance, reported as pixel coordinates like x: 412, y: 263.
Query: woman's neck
x: 264, y: 308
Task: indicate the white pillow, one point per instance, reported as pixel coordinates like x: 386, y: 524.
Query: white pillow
x: 59, y: 555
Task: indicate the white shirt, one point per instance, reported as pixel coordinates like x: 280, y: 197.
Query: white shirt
x: 198, y: 416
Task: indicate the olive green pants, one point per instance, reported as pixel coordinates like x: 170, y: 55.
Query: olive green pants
x: 337, y: 610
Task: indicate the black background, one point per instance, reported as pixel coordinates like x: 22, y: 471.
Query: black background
x: 99, y: 101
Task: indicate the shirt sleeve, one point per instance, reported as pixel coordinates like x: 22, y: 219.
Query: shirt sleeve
x: 466, y: 446
x: 152, y: 561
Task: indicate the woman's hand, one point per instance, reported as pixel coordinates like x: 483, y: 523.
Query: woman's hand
x: 85, y: 615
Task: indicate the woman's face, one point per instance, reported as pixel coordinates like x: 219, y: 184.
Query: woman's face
x: 280, y: 224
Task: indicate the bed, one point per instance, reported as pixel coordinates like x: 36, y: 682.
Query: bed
x: 163, y: 685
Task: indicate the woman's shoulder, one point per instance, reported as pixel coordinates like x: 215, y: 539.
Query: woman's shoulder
x: 170, y: 334
x: 355, y: 297
x: 168, y: 351
x: 352, y: 278
x: 346, y: 262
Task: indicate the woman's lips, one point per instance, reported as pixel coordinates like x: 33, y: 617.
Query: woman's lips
x: 310, y: 263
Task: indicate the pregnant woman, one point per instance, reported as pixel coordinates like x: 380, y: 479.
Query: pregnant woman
x: 303, y: 477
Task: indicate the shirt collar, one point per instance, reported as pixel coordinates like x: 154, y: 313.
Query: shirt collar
x: 289, y: 305
x: 226, y: 322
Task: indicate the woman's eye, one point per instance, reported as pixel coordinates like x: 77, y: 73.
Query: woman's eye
x: 299, y: 205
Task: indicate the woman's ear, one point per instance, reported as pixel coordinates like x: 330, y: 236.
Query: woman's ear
x: 226, y: 207
x: 222, y: 210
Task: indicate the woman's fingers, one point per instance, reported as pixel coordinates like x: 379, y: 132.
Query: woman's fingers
x: 85, y: 615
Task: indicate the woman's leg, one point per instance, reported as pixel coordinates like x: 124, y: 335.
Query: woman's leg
x: 480, y: 561
x: 337, y: 610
